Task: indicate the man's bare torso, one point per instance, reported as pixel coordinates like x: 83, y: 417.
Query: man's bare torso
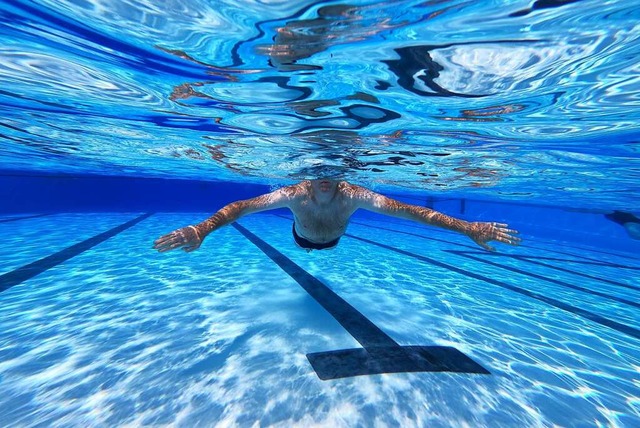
x: 322, y: 216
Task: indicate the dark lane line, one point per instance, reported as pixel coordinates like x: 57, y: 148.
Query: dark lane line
x: 566, y: 244
x: 622, y: 328
x: 379, y: 353
x: 596, y: 261
x: 543, y: 278
x: 6, y: 220
x: 515, y: 256
x: 581, y: 248
x: 26, y: 272
x: 580, y: 262
x: 530, y: 259
x: 363, y: 330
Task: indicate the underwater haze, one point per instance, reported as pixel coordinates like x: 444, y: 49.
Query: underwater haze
x: 532, y: 101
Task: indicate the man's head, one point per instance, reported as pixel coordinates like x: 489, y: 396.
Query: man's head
x: 323, y: 172
x: 324, y: 179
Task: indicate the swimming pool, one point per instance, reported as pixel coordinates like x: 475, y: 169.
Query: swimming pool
x: 122, y: 121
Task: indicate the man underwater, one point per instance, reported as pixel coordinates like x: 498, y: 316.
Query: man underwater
x: 322, y: 209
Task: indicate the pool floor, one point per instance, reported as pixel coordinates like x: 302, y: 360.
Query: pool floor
x: 98, y: 329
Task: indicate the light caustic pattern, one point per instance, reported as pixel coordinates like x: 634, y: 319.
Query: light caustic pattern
x: 121, y: 335
x: 523, y: 99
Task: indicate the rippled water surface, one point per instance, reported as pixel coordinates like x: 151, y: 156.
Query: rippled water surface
x: 524, y: 99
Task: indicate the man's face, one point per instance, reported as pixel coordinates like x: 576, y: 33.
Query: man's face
x: 324, y: 185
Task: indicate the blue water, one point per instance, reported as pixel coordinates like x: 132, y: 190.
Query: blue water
x: 121, y: 121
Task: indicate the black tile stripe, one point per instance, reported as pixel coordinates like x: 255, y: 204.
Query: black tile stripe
x: 555, y: 243
x: 543, y: 278
x: 622, y: 328
x: 535, y: 261
x: 534, y: 247
x: 6, y: 220
x: 381, y: 354
x: 26, y: 272
x: 363, y: 330
x: 581, y: 248
x: 585, y: 261
x: 524, y: 258
x: 596, y: 261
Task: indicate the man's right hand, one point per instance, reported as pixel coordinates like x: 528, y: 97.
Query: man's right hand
x: 483, y: 232
x: 186, y: 238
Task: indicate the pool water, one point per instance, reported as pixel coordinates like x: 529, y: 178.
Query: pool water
x: 123, y: 120
x: 119, y: 335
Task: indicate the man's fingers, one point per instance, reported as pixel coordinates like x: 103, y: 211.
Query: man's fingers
x: 499, y: 232
x: 160, y: 244
x: 508, y: 236
x: 503, y: 227
x: 509, y: 241
x: 506, y: 239
x: 161, y: 240
x: 511, y: 237
x: 486, y: 246
x: 165, y: 244
x: 166, y: 238
x: 168, y: 247
x: 169, y: 242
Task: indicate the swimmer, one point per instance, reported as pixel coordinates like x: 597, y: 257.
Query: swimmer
x: 322, y: 208
x: 630, y: 222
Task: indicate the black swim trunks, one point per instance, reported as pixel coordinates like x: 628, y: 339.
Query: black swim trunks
x: 305, y: 243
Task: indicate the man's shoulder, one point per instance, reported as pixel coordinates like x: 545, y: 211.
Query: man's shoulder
x: 353, y: 191
x: 345, y: 185
x: 295, y: 191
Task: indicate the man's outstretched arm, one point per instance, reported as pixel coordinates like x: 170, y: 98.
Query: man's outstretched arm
x: 480, y: 232
x: 190, y: 237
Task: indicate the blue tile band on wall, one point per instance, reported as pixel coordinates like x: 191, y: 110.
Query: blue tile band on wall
x: 26, y: 272
x: 622, y: 328
x: 380, y: 353
x: 21, y: 193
